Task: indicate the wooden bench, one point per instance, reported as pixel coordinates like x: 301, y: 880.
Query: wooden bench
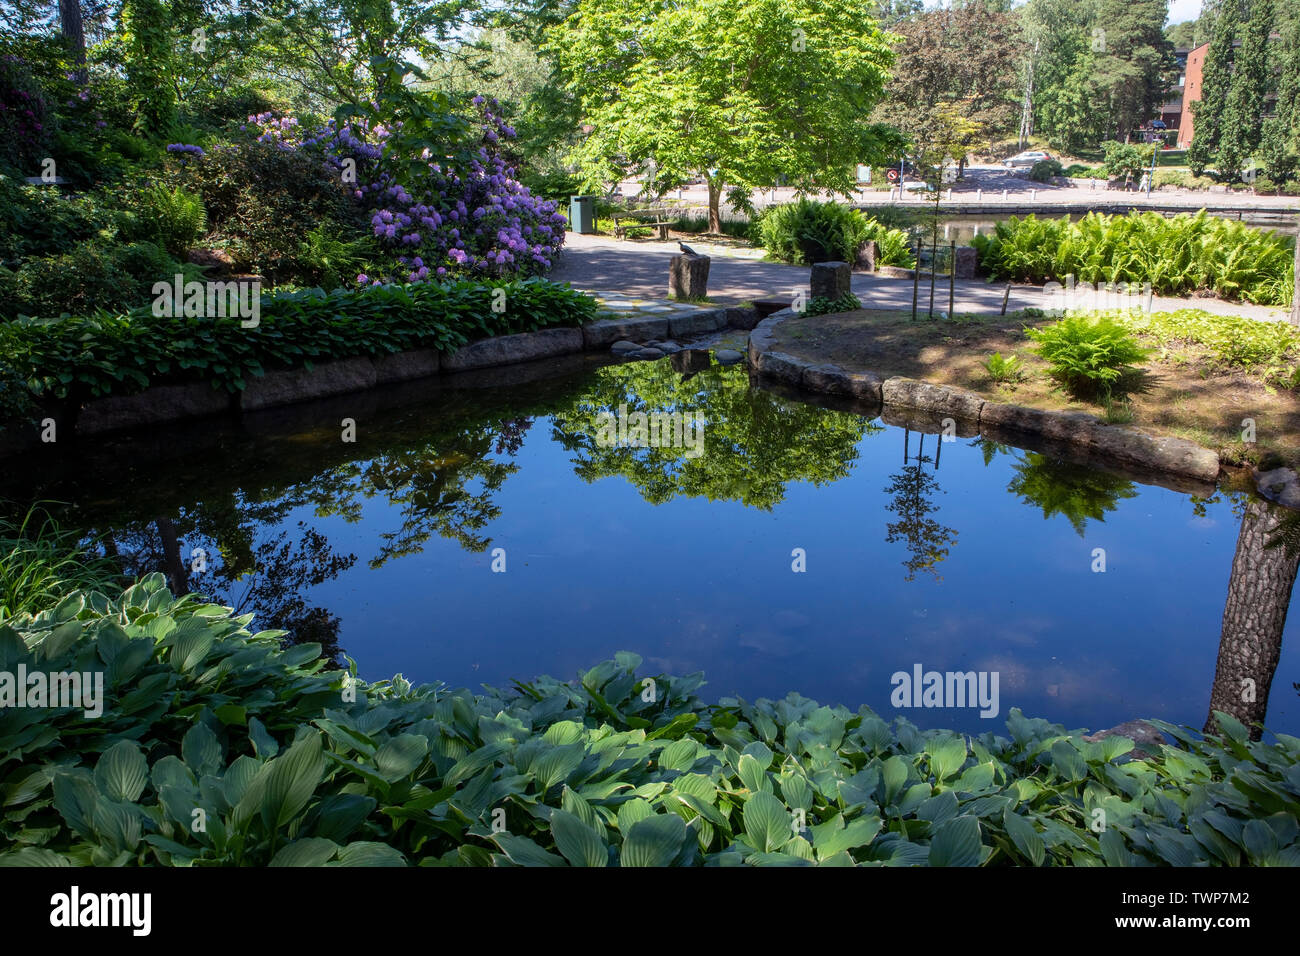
x: 623, y: 223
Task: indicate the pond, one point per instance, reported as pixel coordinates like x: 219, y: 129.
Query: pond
x: 479, y: 529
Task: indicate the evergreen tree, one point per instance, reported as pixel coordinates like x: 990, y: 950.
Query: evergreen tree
x: 1216, y: 78
x: 1280, y: 139
x: 1252, y: 80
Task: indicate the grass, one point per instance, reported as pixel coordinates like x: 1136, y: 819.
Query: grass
x: 40, y: 562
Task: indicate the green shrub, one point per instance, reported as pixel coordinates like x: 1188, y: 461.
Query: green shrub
x: 1004, y: 371
x: 1079, y: 171
x: 1125, y: 159
x: 295, y: 765
x: 1045, y: 170
x: 174, y: 216
x: 262, y: 200
x: 40, y: 221
x: 1089, y: 356
x: 95, y: 275
x: 821, y: 305
x: 1176, y: 255
x: 805, y: 232
x: 115, y: 354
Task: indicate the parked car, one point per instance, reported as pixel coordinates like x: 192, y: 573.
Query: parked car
x: 1026, y: 159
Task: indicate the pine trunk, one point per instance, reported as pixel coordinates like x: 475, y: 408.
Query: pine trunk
x: 73, y: 31
x: 1259, y: 592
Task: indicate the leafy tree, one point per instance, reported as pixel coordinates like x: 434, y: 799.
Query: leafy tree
x: 954, y: 83
x: 1058, y: 73
x: 1135, y: 62
x: 739, y: 92
x: 1280, y: 136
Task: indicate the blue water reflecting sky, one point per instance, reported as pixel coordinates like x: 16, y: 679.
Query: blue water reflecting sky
x: 693, y: 584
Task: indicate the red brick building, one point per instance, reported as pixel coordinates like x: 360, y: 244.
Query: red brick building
x: 1191, y: 83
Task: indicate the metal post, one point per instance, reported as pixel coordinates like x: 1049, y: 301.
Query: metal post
x: 916, y: 279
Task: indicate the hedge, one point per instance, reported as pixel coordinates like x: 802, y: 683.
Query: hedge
x: 218, y: 747
x: 119, y: 354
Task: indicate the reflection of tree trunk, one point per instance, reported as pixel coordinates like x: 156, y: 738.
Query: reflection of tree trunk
x: 171, y: 546
x: 1259, y: 593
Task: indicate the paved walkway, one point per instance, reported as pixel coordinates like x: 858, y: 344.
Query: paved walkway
x: 636, y: 270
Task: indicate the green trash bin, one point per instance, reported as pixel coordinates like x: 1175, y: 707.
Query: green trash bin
x: 582, y: 214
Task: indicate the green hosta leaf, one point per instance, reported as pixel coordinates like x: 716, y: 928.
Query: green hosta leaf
x: 579, y: 843
x: 631, y: 812
x: 556, y: 765
x: 367, y: 853
x: 264, y: 745
x: 768, y: 824
x: 284, y: 784
x: 1025, y: 837
x: 752, y: 775
x: 679, y: 755
x: 201, y: 750
x: 122, y: 771
x: 956, y: 843
x: 654, y: 841
x: 524, y: 852
x: 310, y: 851
x: 400, y: 756
x: 834, y: 836
x: 894, y: 773
x: 947, y: 754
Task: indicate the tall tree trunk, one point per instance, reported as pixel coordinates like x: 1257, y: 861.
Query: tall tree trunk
x: 1295, y: 294
x: 1259, y: 592
x: 176, y: 567
x: 715, y: 202
x: 1027, y: 107
x: 75, y: 34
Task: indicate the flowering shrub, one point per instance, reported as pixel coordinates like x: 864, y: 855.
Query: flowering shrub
x: 460, y: 217
x: 24, y: 118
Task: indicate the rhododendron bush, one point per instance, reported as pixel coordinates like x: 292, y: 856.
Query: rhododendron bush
x: 460, y: 213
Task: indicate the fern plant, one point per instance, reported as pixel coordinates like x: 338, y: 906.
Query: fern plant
x: 1004, y: 371
x: 176, y: 217
x: 1089, y: 357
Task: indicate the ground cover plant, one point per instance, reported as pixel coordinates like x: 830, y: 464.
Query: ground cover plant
x: 122, y: 353
x: 218, y: 748
x: 1176, y: 256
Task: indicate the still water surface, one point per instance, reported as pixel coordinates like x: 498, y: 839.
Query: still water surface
x: 960, y: 556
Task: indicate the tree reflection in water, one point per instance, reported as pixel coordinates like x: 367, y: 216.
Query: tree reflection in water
x: 913, y: 490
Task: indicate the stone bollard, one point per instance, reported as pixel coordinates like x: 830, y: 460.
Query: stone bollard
x: 965, y: 262
x: 868, y: 252
x: 830, y: 280
x: 688, y: 277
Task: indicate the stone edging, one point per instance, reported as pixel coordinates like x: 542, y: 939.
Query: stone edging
x: 170, y: 403
x: 1127, y: 445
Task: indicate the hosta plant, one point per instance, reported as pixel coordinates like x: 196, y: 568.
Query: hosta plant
x: 217, y: 747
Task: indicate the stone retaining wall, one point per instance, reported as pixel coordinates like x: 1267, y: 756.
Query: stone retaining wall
x: 169, y: 403
x: 973, y: 414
